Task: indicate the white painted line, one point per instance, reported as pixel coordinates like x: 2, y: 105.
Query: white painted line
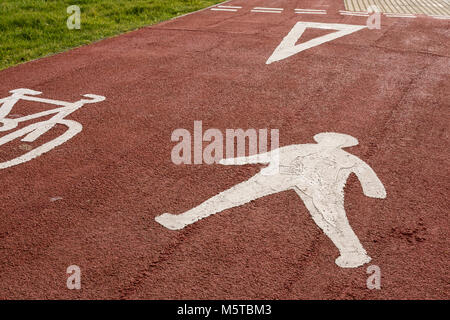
x: 267, y: 11
x: 262, y: 8
x: 399, y: 16
x: 355, y: 14
x: 352, y: 11
x: 310, y: 10
x: 219, y: 9
x: 318, y: 174
x: 230, y: 7
x: 304, y: 12
x: 440, y: 17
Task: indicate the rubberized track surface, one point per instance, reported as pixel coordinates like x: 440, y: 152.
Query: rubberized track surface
x: 389, y: 88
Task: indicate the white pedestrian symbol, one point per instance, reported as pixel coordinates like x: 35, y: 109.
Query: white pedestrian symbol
x: 317, y: 173
x: 33, y: 131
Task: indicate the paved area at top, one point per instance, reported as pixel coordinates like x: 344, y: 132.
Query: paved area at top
x: 425, y: 7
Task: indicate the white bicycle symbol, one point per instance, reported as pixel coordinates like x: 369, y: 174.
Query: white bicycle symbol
x: 33, y: 131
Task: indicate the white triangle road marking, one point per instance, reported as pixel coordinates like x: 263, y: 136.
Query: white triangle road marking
x: 287, y: 47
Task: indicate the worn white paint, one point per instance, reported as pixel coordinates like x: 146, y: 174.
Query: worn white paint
x: 34, y: 130
x: 317, y: 173
x: 321, y: 10
x: 223, y: 9
x: 345, y: 11
x: 288, y: 47
x: 400, y: 15
x: 264, y: 8
x: 441, y: 17
x: 266, y: 11
x: 230, y: 7
x: 354, y: 14
x: 310, y: 11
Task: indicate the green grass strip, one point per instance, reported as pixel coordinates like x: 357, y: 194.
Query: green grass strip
x: 30, y: 29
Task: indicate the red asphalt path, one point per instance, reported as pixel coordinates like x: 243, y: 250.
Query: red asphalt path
x: 389, y: 88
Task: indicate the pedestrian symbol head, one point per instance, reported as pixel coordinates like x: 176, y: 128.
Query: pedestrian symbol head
x: 332, y: 139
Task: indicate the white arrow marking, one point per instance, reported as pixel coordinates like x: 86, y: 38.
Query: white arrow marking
x: 288, y: 48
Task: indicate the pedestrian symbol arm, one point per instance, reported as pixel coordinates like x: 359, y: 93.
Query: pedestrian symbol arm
x: 371, y: 184
x: 263, y: 158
